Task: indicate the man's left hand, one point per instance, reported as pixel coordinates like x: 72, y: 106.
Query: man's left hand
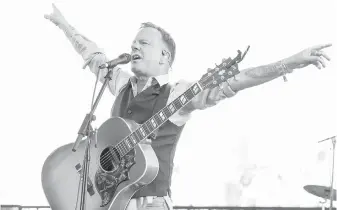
x: 313, y: 55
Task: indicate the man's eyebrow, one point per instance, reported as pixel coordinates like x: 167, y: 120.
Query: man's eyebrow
x: 140, y: 40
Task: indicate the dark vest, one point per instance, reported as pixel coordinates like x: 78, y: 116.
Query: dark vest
x: 140, y: 109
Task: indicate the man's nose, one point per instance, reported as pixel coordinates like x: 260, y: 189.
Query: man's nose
x: 135, y: 46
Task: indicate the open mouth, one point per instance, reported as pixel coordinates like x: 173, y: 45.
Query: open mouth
x: 135, y: 57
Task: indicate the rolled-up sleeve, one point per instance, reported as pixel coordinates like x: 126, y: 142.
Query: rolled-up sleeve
x: 93, y: 57
x: 203, y: 100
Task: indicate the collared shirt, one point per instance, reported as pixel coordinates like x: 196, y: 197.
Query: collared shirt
x: 94, y: 57
x: 161, y: 79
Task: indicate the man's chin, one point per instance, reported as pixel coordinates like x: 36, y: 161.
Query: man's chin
x: 137, y: 71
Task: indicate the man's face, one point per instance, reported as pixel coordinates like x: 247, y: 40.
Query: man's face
x: 147, y: 53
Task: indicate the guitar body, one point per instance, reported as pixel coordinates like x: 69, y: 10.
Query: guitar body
x: 114, y: 181
x: 119, y: 166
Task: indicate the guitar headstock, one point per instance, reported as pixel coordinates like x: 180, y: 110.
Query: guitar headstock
x: 222, y: 72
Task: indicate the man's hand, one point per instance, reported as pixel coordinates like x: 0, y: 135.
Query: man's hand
x: 313, y: 55
x: 56, y: 17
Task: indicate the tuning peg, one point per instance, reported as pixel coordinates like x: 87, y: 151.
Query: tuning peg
x: 240, y: 56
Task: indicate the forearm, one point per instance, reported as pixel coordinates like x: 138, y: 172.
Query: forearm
x: 82, y: 45
x: 93, y: 57
x: 258, y: 75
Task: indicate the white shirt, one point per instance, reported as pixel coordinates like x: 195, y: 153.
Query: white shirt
x: 94, y: 57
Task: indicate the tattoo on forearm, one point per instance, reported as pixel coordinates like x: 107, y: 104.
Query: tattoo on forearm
x: 272, y: 70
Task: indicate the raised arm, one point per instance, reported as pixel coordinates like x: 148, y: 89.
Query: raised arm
x: 245, y: 79
x: 258, y: 75
x: 92, y: 55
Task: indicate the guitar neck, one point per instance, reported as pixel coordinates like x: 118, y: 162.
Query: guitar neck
x: 152, y: 124
x: 227, y: 69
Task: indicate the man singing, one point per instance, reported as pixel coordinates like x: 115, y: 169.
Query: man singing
x: 138, y: 95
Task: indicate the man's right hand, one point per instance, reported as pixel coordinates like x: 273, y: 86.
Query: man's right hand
x: 56, y: 17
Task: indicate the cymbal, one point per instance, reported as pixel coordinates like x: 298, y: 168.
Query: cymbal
x: 320, y: 191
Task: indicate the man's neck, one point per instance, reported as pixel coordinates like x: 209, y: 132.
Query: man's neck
x: 141, y: 82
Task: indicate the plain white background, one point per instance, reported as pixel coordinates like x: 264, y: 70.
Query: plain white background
x: 45, y: 94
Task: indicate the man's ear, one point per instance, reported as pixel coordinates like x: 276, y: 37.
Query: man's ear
x: 167, y: 55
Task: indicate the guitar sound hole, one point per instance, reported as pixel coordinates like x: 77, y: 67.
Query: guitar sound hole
x: 109, y: 159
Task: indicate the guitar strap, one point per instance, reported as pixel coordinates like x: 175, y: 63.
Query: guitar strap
x: 160, y: 103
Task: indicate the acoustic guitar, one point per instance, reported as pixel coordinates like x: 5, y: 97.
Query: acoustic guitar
x: 120, y: 165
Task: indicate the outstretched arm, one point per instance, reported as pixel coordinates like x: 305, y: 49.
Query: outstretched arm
x: 245, y: 79
x: 258, y: 75
x: 92, y: 55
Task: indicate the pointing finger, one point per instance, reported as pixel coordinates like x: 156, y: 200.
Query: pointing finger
x: 319, y: 47
x: 55, y: 8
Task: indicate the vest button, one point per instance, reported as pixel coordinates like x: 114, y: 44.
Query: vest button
x: 129, y: 111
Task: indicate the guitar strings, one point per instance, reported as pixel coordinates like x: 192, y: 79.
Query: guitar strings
x: 104, y: 159
x: 107, y: 157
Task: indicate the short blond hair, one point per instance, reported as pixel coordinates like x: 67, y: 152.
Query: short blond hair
x: 171, y: 45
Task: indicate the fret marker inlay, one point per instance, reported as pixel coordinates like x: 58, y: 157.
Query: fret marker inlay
x: 195, y: 89
x: 133, y: 139
x: 153, y: 123
x: 161, y: 114
x: 182, y: 99
x: 142, y: 131
x: 128, y: 143
x: 171, y: 107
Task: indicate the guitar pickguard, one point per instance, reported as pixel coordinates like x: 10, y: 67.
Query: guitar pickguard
x: 106, y: 183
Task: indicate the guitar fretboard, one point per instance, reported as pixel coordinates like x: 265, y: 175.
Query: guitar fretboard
x: 227, y: 69
x: 144, y: 130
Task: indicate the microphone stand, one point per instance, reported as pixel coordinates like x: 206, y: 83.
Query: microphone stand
x: 87, y: 131
x: 333, y: 140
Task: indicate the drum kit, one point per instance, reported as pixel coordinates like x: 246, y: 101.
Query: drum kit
x: 327, y: 193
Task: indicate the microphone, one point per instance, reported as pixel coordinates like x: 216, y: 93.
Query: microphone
x: 122, y: 59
